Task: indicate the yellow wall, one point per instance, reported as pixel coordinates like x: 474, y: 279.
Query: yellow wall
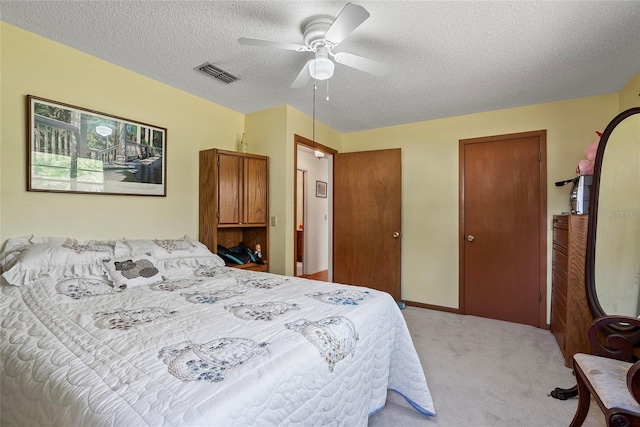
x: 630, y: 93
x: 430, y: 208
x: 34, y: 65
x: 266, y: 135
x: 272, y: 132
x: 37, y: 66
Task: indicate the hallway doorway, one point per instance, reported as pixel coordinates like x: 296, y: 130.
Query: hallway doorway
x: 300, y: 214
x: 313, y: 208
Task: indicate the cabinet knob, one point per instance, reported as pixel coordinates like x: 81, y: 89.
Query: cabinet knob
x: 470, y: 238
x: 396, y: 234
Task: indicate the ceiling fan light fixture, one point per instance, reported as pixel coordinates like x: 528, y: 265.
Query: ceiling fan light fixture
x: 319, y: 154
x: 321, y: 35
x: 321, y: 68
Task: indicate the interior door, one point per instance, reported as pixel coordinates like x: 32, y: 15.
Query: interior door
x: 503, y: 227
x: 367, y: 219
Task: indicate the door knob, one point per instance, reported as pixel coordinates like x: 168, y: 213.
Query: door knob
x: 470, y: 237
x: 395, y: 234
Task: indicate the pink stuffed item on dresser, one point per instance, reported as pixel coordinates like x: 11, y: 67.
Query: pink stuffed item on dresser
x: 585, y: 167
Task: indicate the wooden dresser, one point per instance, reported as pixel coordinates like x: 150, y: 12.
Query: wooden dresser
x: 570, y: 314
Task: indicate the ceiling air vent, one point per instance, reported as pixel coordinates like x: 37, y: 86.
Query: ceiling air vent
x: 217, y: 73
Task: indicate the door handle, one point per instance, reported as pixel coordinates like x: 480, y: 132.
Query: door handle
x: 396, y: 234
x: 470, y: 238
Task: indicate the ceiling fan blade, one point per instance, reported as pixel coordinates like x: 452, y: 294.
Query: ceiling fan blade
x: 348, y: 20
x: 370, y: 66
x: 303, y: 76
x: 277, y: 45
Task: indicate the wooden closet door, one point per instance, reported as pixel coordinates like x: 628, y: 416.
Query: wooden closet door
x: 229, y: 189
x: 503, y: 227
x: 255, y: 191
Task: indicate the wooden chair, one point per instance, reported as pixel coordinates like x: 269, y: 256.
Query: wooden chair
x: 612, y: 376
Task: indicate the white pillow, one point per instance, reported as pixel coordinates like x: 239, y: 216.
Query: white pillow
x: 171, y: 254
x: 131, y: 271
x: 55, y: 258
x: 14, y: 245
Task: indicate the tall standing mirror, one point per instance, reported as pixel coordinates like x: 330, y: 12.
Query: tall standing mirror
x: 613, y: 240
x: 612, y: 265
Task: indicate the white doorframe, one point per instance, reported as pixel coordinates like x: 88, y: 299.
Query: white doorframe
x: 301, y: 142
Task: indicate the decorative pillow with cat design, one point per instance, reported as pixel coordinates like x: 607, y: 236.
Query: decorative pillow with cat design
x: 170, y: 253
x: 136, y: 270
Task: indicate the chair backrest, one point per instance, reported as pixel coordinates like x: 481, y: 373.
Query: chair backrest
x: 616, y: 337
x: 633, y: 381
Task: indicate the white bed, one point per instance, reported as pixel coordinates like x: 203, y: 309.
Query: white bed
x: 191, y: 342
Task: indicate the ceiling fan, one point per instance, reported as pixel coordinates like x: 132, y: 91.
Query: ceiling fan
x: 321, y: 36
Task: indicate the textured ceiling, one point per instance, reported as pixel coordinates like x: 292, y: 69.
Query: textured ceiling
x: 447, y: 58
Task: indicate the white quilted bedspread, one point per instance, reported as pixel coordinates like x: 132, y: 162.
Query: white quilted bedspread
x: 223, y: 347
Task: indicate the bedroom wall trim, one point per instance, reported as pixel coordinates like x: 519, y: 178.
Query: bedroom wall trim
x: 434, y: 307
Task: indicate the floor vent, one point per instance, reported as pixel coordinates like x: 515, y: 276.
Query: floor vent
x: 217, y: 73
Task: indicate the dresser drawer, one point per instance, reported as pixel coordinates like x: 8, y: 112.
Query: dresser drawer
x: 561, y: 237
x: 560, y: 259
x: 559, y: 307
x: 561, y: 230
x: 559, y: 331
x: 559, y: 284
x: 558, y: 321
x: 561, y: 221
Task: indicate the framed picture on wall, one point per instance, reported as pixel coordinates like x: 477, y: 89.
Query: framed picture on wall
x: 321, y: 189
x: 76, y: 150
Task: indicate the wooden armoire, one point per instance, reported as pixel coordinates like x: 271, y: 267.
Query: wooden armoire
x: 233, y: 203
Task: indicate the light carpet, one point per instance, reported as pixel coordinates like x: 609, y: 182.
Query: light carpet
x: 485, y: 373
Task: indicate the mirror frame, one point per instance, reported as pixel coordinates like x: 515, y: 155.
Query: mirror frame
x: 590, y: 262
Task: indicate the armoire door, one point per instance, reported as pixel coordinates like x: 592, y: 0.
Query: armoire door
x: 242, y: 190
x: 367, y: 219
x: 256, y: 184
x: 503, y: 227
x: 229, y: 189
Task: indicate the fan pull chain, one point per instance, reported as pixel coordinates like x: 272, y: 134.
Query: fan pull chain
x: 327, y: 89
x: 313, y: 137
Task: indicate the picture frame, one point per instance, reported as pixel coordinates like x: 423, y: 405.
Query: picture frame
x: 321, y: 189
x: 76, y: 150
